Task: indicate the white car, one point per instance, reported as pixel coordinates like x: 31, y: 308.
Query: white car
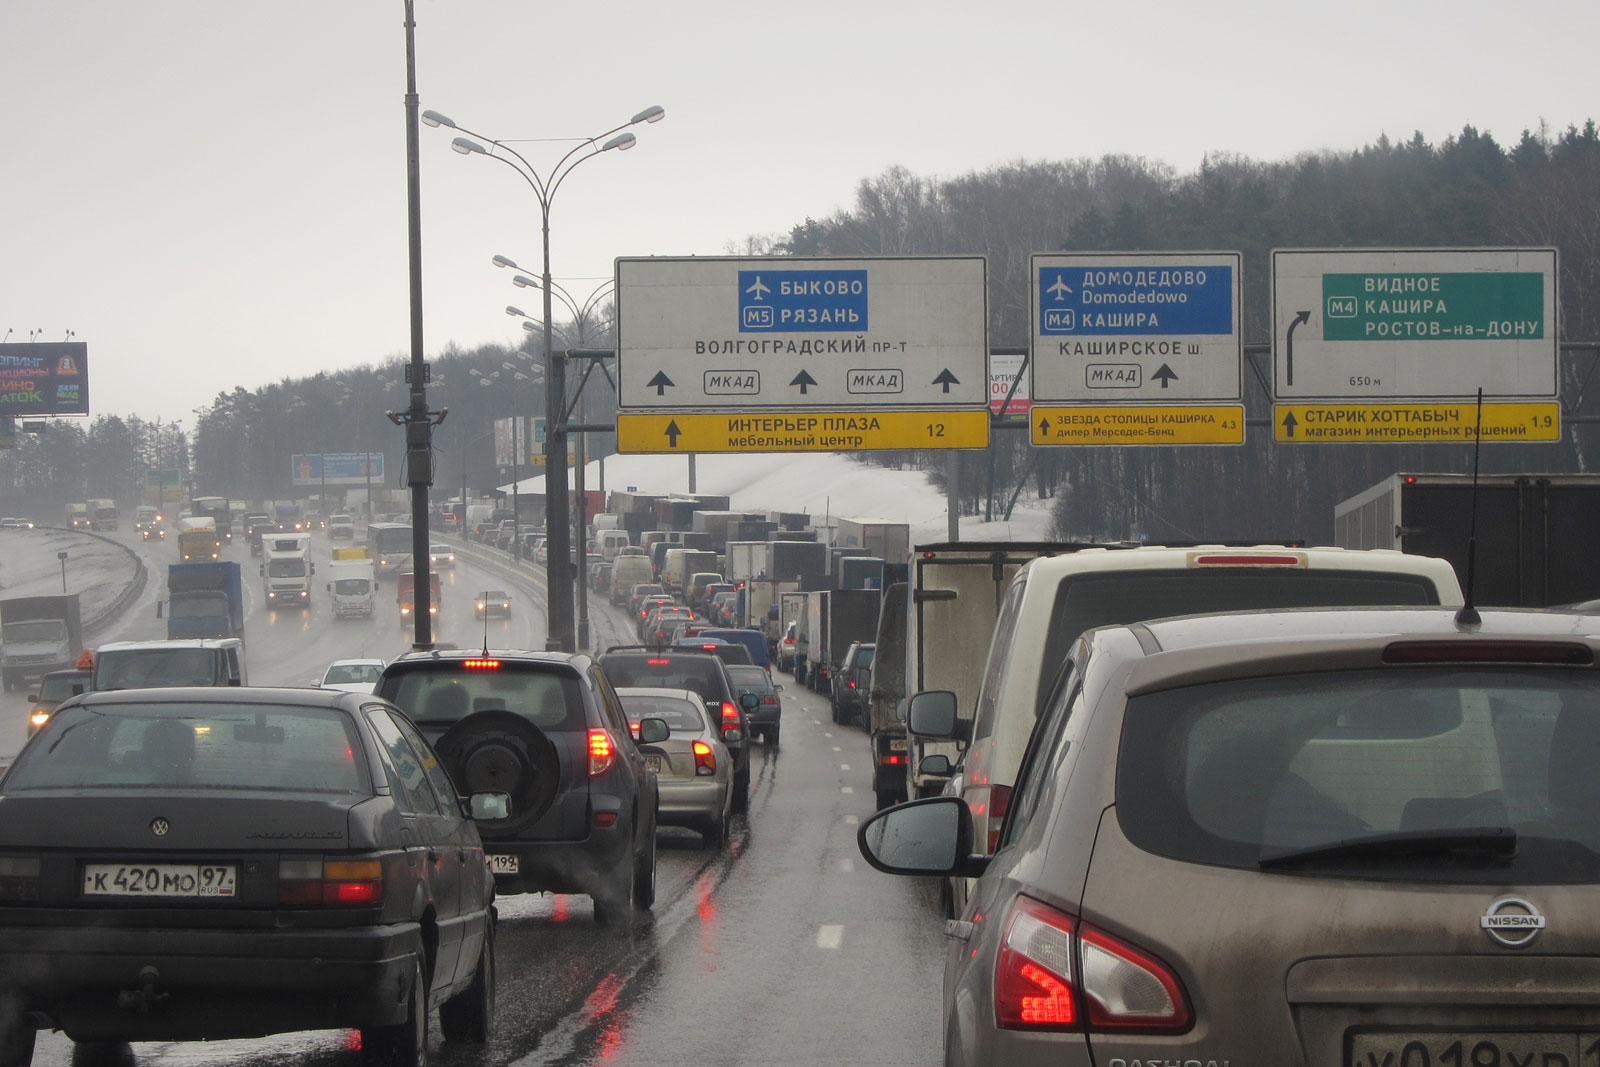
x: 351, y: 675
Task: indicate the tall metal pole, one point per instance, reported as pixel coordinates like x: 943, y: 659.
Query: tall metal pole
x: 516, y: 498
x: 558, y: 533
x: 580, y: 525
x: 418, y: 420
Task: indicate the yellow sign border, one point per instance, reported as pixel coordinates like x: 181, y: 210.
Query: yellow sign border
x: 835, y: 430
x: 1143, y: 424
x: 1430, y: 422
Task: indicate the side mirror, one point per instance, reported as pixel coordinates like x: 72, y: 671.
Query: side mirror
x: 263, y: 570
x: 490, y: 807
x: 777, y: 687
x: 653, y: 731
x: 159, y: 605
x: 930, y: 836
x: 932, y: 714
x: 936, y: 765
x: 330, y: 587
x: 313, y: 568
x: 33, y: 698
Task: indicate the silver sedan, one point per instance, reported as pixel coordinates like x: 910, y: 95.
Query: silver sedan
x: 693, y: 768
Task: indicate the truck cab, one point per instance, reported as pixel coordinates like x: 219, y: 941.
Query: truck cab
x: 164, y: 664
x: 286, y: 574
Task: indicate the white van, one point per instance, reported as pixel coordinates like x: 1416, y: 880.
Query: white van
x: 627, y: 572
x: 610, y: 542
x: 1052, y: 600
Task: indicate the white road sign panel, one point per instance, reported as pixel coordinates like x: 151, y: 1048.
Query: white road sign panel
x: 1136, y: 328
x: 774, y: 333
x: 1414, y: 323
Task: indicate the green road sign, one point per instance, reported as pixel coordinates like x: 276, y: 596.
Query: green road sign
x: 1434, y: 306
x: 162, y: 476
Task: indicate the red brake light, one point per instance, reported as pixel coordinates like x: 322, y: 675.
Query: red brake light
x: 336, y: 883
x: 633, y: 728
x: 999, y: 804
x: 481, y: 664
x: 602, y: 754
x: 1258, y: 560
x: 730, y: 714
x: 658, y: 662
x: 1123, y: 988
x: 705, y: 761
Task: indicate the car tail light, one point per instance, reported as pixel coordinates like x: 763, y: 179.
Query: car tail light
x: 605, y: 820
x: 999, y: 804
x: 633, y: 728
x: 333, y: 883
x: 1117, y: 988
x: 705, y: 761
x: 1557, y: 652
x: 19, y: 879
x: 602, y: 753
x: 1251, y: 559
x: 481, y: 664
x: 658, y: 662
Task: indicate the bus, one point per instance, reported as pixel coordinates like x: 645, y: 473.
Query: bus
x: 389, y: 545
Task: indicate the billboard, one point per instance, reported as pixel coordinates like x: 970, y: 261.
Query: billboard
x: 337, y: 468
x: 510, y: 438
x: 44, y: 378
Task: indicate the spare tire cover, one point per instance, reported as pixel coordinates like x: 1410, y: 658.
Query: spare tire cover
x: 501, y: 752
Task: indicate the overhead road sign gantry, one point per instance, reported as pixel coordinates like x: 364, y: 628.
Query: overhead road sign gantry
x: 847, y: 430
x: 1414, y: 324
x: 786, y: 333
x: 1420, y: 422
x: 1136, y: 328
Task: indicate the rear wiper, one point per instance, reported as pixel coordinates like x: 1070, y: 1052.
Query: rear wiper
x: 1494, y: 841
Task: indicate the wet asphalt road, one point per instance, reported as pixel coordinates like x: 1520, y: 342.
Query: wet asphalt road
x: 785, y: 948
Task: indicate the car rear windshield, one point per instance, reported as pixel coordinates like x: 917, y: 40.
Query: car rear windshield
x: 195, y: 746
x: 752, y: 678
x: 1089, y: 600
x: 448, y: 691
x: 149, y: 668
x: 61, y: 687
x: 680, y: 715
x: 1475, y: 776
x: 697, y: 672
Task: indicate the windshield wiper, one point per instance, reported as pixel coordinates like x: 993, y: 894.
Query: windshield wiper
x: 1498, y: 842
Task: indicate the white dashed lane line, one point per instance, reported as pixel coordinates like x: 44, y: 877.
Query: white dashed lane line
x: 829, y: 936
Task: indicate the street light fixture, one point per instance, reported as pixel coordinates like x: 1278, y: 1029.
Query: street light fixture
x: 562, y: 635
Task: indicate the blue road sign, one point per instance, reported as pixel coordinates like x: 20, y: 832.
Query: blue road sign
x: 337, y: 468
x: 794, y: 301
x: 1101, y: 301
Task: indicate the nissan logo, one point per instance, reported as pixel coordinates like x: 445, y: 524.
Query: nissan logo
x: 1512, y: 921
x: 159, y: 827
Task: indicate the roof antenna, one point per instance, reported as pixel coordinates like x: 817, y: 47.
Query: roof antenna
x: 486, y: 624
x: 1468, y: 615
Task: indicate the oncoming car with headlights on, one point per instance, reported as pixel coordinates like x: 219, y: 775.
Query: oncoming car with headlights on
x: 213, y: 863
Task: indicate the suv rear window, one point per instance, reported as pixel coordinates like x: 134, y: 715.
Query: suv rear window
x: 1089, y: 600
x: 1249, y: 772
x: 447, y: 691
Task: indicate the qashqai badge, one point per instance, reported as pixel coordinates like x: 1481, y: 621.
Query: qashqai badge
x: 159, y: 827
x: 1512, y: 921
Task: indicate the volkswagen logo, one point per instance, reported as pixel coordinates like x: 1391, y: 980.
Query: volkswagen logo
x: 1512, y: 921
x: 159, y: 827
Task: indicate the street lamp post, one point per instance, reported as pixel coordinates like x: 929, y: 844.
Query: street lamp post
x: 582, y: 315
x: 560, y: 619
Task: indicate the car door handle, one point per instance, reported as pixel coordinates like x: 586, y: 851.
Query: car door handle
x: 957, y: 929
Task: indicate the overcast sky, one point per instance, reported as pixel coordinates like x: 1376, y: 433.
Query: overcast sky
x: 211, y: 193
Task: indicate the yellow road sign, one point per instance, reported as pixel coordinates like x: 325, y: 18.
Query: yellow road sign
x: 1432, y: 422
x: 801, y: 431
x: 1177, y: 424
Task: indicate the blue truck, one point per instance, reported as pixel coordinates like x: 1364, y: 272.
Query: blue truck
x: 205, y: 600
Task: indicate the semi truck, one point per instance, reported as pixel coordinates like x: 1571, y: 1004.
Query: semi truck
x: 883, y: 538
x: 353, y: 585
x: 204, y: 600
x: 833, y: 620
x: 77, y: 517
x: 103, y: 515
x: 198, y: 540
x: 286, y: 574
x: 39, y: 634
x: 1535, y: 532
x: 219, y: 510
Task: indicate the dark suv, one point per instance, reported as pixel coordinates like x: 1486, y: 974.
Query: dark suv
x: 546, y: 728
x: 851, y: 683
x: 676, y: 667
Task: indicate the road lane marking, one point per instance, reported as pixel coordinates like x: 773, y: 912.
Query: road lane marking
x: 829, y: 936
x: 846, y: 789
x: 844, y: 766
x: 836, y: 748
x: 851, y: 820
x: 847, y: 866
x: 826, y: 733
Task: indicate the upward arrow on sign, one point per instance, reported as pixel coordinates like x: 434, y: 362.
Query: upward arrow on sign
x: 803, y: 380
x: 946, y: 379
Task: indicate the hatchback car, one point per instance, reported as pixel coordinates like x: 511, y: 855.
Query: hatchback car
x: 681, y: 668
x: 1324, y: 836
x: 767, y: 716
x: 693, y: 768
x: 209, y: 863
x: 547, y: 729
x: 495, y: 602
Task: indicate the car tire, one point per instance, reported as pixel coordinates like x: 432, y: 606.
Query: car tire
x: 614, y: 907
x: 403, y: 1044
x: 16, y: 1042
x: 714, y: 835
x: 502, y: 752
x: 469, y: 1015
x: 769, y: 736
x: 887, y: 798
x: 644, y: 875
x: 741, y: 790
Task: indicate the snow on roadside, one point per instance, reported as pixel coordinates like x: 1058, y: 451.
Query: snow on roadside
x: 97, y: 570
